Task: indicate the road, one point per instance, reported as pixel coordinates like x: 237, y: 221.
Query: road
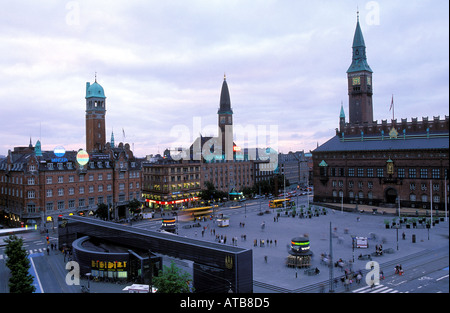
x: 426, y: 273
x: 247, y: 207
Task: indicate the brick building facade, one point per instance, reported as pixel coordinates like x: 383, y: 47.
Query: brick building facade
x: 36, y: 186
x: 389, y: 163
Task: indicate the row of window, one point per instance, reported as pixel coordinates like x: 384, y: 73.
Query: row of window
x: 82, y: 203
x: 177, y: 187
x: 434, y: 173
x: 31, y: 194
x: 71, y: 178
x: 164, y: 170
x: 412, y: 186
x: 360, y: 194
x: 165, y: 179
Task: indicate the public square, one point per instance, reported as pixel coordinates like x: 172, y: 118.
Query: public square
x: 274, y: 276
x: 424, y: 261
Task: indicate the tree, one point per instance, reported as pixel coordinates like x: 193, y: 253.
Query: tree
x: 172, y: 280
x: 102, y: 211
x: 21, y: 281
x: 134, y: 206
x: 211, y: 192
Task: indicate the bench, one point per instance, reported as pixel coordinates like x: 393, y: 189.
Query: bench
x: 389, y: 251
x: 312, y: 272
x: 365, y: 257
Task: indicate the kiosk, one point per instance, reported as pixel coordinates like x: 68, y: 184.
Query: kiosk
x: 300, y: 253
x: 223, y: 221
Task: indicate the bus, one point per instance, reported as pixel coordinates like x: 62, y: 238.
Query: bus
x: 195, y: 214
x: 279, y: 203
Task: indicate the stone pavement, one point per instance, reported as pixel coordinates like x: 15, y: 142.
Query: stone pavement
x: 275, y: 276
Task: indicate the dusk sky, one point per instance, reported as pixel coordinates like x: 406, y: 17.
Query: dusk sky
x: 162, y: 63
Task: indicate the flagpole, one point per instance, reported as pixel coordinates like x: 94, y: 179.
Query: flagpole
x: 393, y: 107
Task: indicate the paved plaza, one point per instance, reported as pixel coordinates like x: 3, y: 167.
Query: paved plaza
x: 272, y: 275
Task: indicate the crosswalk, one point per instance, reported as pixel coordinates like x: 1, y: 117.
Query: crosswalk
x: 376, y: 289
x: 31, y: 251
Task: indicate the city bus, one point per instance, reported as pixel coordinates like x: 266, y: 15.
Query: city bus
x: 279, y: 203
x: 195, y: 214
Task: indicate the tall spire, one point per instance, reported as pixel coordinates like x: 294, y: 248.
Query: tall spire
x: 225, y: 102
x: 342, y: 115
x: 359, y: 59
x: 112, y: 139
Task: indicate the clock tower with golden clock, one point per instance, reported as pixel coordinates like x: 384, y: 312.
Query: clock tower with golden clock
x: 360, y: 85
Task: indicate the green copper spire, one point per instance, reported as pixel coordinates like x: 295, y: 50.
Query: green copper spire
x: 112, y: 139
x: 342, y: 115
x: 359, y: 60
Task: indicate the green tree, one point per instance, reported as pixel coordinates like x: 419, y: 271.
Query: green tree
x: 172, y: 280
x: 102, y: 211
x: 21, y: 281
x: 134, y: 206
x: 212, y: 193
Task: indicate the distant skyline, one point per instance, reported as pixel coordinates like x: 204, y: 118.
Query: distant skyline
x: 162, y: 64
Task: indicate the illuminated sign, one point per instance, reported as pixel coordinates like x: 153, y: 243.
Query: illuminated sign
x: 171, y: 202
x: 168, y: 222
x: 82, y: 157
x: 302, y: 246
x: 59, y: 151
x: 236, y: 148
x: 116, y: 266
x: 59, y: 160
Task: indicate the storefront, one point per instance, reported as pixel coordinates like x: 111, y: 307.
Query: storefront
x: 110, y: 262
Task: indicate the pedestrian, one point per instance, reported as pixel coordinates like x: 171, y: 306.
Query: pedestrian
x: 48, y: 251
x: 265, y: 258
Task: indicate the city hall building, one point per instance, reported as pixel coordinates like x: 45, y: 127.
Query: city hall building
x: 381, y: 164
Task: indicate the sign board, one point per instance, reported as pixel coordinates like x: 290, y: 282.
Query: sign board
x: 82, y: 157
x: 361, y: 242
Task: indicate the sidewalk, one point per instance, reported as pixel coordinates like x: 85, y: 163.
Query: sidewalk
x: 404, y: 211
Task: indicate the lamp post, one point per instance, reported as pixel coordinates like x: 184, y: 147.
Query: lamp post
x: 88, y: 276
x: 331, y: 261
x: 445, y: 196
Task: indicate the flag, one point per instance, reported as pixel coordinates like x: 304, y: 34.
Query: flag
x: 392, y: 103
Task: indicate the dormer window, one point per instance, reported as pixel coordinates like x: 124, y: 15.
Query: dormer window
x: 50, y: 166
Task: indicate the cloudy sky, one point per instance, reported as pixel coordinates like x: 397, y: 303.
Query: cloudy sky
x: 162, y: 64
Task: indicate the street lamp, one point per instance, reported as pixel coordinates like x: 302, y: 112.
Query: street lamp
x: 88, y: 276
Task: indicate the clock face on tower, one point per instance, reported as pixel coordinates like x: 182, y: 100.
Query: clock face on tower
x: 356, y: 80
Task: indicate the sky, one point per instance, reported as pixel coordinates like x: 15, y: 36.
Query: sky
x: 162, y: 64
